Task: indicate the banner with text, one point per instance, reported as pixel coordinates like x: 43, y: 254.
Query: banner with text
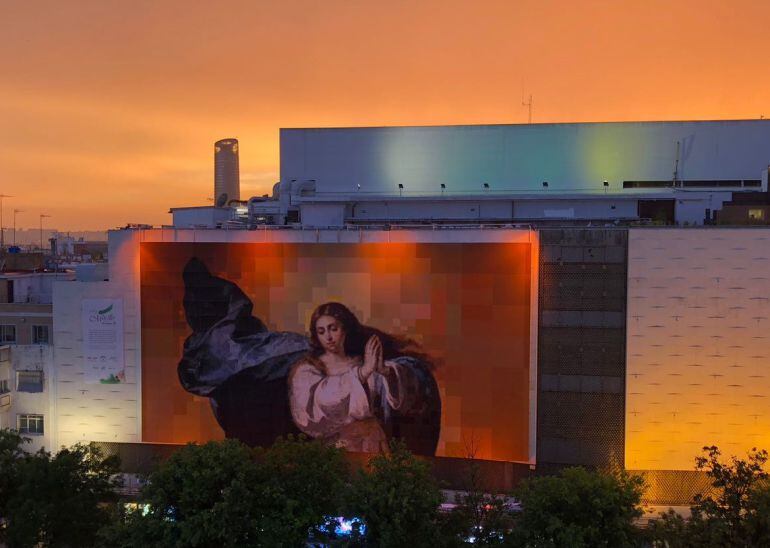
x: 103, y: 360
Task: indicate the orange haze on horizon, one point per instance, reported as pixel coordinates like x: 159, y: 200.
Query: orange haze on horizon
x: 110, y: 109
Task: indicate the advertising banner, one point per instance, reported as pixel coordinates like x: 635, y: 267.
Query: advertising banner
x: 103, y: 360
x: 356, y: 344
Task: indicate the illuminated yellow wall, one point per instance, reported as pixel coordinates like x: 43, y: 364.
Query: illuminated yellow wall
x: 698, y: 356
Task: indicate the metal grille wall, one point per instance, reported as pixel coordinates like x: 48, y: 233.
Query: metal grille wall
x: 581, y: 347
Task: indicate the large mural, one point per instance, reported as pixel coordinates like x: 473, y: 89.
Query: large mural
x: 355, y: 344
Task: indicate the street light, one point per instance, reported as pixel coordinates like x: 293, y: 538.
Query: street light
x: 2, y: 232
x: 15, y: 211
x: 41, y: 229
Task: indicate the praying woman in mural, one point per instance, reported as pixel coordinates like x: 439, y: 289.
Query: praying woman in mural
x: 352, y: 381
x: 347, y: 383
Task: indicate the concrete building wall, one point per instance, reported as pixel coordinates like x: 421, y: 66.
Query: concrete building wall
x: 698, y: 344
x: 192, y: 217
x: 467, y: 210
x: 23, y: 400
x: 575, y: 209
x: 323, y: 215
x: 24, y: 317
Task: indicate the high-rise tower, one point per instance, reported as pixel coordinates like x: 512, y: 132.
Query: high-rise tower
x: 227, y: 180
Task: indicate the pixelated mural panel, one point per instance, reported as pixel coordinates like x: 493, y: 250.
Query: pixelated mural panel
x: 453, y: 321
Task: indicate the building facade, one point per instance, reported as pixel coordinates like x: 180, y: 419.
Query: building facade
x: 571, y: 288
x: 26, y: 355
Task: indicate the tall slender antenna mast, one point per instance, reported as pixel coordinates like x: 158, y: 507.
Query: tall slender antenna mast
x: 2, y: 231
x: 528, y: 104
x: 676, y: 163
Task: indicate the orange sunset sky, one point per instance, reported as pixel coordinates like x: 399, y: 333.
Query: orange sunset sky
x: 109, y: 109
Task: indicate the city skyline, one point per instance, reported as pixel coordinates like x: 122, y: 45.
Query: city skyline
x: 110, y: 110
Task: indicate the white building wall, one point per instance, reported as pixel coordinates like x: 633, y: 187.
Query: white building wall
x: 16, y: 358
x: 98, y: 412
x: 575, y: 209
x: 520, y: 157
x: 36, y: 357
x: 200, y: 216
x: 698, y: 352
x: 36, y: 288
x: 426, y: 210
x: 323, y: 215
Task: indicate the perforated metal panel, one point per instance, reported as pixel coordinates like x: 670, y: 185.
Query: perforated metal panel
x: 581, y: 347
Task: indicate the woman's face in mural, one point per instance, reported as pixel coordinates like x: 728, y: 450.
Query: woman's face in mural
x: 330, y: 334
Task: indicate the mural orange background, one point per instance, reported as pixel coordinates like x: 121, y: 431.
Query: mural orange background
x: 468, y: 305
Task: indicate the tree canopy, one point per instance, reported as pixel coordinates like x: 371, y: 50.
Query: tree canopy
x: 735, y: 514
x: 54, y: 500
x: 578, y: 508
x: 398, y: 499
x: 226, y: 494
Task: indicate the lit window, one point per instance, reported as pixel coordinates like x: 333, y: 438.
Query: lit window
x: 40, y: 334
x: 756, y: 214
x: 29, y: 381
x: 30, y: 424
x: 7, y: 333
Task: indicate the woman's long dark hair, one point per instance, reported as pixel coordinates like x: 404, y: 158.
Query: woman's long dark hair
x: 356, y: 335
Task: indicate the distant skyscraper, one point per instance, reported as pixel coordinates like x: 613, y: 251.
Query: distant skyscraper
x: 227, y: 180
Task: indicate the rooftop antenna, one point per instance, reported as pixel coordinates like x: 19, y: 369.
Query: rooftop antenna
x: 676, y: 162
x: 527, y: 104
x: 15, y: 212
x: 42, y: 216
x: 2, y: 231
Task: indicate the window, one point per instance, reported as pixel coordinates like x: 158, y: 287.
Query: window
x: 756, y: 214
x: 7, y: 333
x: 40, y: 334
x: 4, y: 386
x: 29, y: 381
x: 30, y: 424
